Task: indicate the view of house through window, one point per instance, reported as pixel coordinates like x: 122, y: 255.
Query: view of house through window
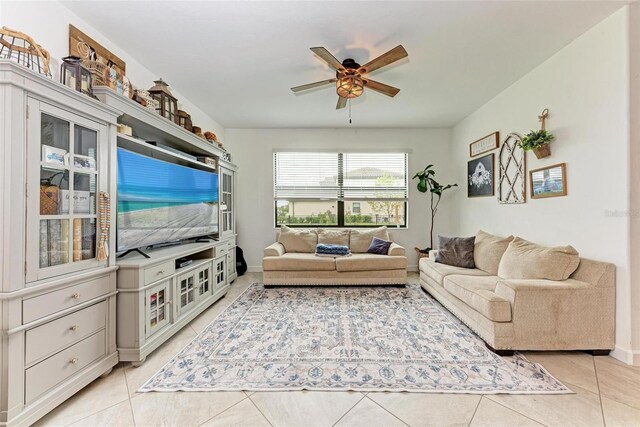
x: 340, y: 189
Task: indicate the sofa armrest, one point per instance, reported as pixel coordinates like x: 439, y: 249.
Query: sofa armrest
x: 560, y: 311
x: 396, y: 250
x: 275, y: 249
x: 432, y: 254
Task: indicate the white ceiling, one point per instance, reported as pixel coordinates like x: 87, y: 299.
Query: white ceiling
x: 237, y: 60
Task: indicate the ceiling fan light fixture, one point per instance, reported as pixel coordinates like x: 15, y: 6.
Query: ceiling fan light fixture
x: 350, y: 86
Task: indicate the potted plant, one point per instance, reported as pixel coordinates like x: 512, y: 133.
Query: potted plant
x: 538, y: 142
x: 427, y: 184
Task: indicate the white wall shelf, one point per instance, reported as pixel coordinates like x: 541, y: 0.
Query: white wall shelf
x: 151, y: 126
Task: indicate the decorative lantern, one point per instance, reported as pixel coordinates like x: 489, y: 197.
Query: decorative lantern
x: 168, y: 104
x: 75, y: 75
x: 184, y: 120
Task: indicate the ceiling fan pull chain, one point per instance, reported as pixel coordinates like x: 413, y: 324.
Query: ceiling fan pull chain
x: 349, y: 110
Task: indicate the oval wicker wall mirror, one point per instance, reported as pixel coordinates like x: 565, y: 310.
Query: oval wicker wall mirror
x: 512, y: 172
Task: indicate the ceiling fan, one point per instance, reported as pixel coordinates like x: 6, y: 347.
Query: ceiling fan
x: 351, y: 77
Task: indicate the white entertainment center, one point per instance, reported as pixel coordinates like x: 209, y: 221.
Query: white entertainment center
x: 68, y: 315
x: 156, y: 298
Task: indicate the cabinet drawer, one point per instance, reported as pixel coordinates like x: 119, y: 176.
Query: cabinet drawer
x: 46, y: 374
x: 57, y: 334
x: 221, y: 250
x: 46, y: 304
x: 158, y: 272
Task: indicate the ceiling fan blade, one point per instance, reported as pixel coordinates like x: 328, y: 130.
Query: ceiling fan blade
x: 342, y: 102
x: 327, y: 57
x: 312, y: 85
x: 381, y: 87
x: 385, y: 59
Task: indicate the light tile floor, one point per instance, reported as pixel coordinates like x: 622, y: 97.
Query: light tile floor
x: 607, y: 393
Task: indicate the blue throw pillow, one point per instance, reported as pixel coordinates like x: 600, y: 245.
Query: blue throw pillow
x: 379, y: 246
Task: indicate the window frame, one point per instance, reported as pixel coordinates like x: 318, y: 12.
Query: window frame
x: 340, y: 202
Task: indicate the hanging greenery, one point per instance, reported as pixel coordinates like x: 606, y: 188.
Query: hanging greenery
x: 535, y: 139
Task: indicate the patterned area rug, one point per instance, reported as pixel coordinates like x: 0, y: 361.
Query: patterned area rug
x: 346, y: 338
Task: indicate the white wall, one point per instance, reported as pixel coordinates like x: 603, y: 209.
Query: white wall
x: 253, y: 153
x: 634, y: 160
x: 585, y: 86
x: 47, y: 22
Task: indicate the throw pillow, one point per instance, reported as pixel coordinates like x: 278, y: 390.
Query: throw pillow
x: 333, y: 237
x: 360, y: 240
x: 379, y: 246
x: 456, y: 251
x: 298, y: 240
x: 488, y: 251
x: 526, y: 260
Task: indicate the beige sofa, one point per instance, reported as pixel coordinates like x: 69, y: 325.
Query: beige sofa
x: 528, y: 314
x: 292, y: 260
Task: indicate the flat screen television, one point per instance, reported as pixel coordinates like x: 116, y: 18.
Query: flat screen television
x: 160, y: 202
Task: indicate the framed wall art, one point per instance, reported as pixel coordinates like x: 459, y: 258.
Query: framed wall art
x: 512, y: 171
x: 480, y: 181
x: 484, y: 144
x: 550, y: 181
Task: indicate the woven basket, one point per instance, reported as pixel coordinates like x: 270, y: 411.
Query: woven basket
x: 49, y: 199
x: 421, y: 254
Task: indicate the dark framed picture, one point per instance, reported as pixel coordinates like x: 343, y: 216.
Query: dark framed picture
x: 550, y: 181
x: 484, y: 144
x: 480, y: 176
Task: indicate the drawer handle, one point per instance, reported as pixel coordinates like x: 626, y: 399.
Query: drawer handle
x: 160, y: 272
x: 75, y: 296
x: 74, y: 361
x: 74, y: 328
x: 169, y: 302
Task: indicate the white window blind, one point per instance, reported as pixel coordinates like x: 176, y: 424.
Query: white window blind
x: 300, y: 176
x: 340, y: 176
x: 374, y: 176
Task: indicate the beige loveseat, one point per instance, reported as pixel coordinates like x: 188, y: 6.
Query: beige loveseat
x: 292, y: 259
x: 527, y: 314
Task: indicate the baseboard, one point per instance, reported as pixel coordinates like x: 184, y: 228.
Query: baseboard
x: 629, y: 357
x: 254, y: 268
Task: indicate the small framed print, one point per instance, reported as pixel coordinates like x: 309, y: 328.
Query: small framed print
x: 54, y: 156
x: 480, y: 176
x: 84, y: 162
x: 550, y: 181
x: 484, y: 144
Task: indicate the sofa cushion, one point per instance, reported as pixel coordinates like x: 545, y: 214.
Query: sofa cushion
x: 360, y: 239
x: 333, y: 237
x: 478, y: 293
x: 298, y: 240
x: 456, y: 251
x: 488, y: 251
x: 292, y: 261
x: 371, y: 262
x: 437, y: 272
x: 526, y: 260
x: 379, y: 246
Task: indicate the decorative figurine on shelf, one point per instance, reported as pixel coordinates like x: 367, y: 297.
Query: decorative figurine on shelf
x: 211, y: 137
x: 75, y: 75
x: 168, y: 103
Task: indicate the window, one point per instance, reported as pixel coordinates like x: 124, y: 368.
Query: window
x: 340, y: 189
